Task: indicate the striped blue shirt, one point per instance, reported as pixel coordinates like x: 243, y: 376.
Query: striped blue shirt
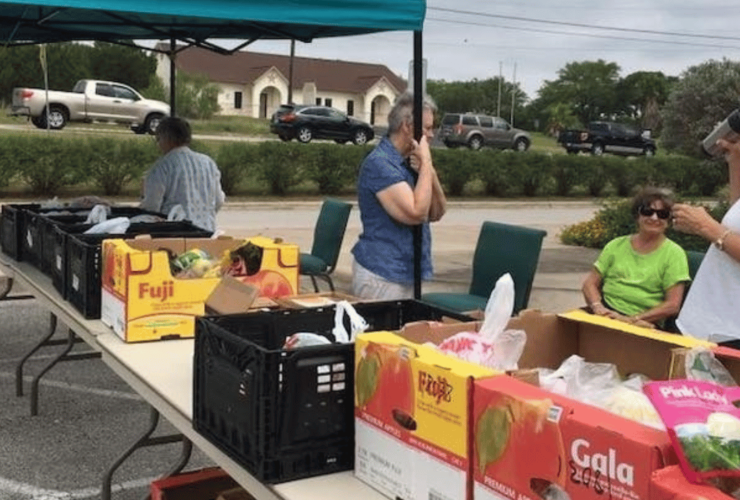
x: 184, y: 177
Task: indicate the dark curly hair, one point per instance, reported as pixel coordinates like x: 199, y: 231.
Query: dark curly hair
x: 647, y: 195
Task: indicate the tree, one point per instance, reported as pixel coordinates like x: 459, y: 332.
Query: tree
x: 588, y: 87
x: 704, y: 95
x: 643, y: 94
x: 123, y: 64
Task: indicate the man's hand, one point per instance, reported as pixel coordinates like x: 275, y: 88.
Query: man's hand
x: 693, y: 220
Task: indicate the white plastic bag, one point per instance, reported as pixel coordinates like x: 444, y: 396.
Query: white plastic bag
x: 98, y: 214
x: 357, y: 323
x: 177, y: 213
x: 493, y: 346
x: 119, y: 225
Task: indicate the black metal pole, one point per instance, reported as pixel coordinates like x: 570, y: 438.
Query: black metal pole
x: 171, y: 55
x: 418, y: 112
x: 290, y: 72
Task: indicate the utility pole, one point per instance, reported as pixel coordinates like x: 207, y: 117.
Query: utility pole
x: 500, y: 79
x: 513, y: 96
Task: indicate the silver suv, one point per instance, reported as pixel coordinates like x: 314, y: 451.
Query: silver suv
x: 476, y: 131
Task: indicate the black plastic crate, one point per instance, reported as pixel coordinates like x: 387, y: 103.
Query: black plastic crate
x: 48, y: 252
x: 12, y: 228
x: 81, y: 282
x: 285, y: 415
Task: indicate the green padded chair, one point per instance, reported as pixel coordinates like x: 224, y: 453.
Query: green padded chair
x: 501, y: 249
x: 694, y: 257
x: 327, y: 242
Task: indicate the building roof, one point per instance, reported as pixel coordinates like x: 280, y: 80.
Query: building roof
x: 245, y: 67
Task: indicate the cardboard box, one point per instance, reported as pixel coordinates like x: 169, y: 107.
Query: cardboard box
x: 412, y: 406
x: 670, y: 484
x: 321, y: 299
x: 538, y: 440
x: 205, y: 484
x: 141, y: 300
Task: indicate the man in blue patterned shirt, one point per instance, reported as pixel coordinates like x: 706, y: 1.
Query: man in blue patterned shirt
x: 397, y: 189
x: 183, y: 177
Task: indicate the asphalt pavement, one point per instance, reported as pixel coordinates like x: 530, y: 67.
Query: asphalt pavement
x: 88, y: 416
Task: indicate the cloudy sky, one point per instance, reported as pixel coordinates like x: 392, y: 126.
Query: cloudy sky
x: 530, y: 40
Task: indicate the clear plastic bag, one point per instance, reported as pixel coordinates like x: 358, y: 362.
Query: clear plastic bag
x: 98, y: 214
x: 702, y: 365
x: 357, y: 323
x: 119, y: 225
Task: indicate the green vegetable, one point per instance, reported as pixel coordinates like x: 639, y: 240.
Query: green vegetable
x: 706, y: 453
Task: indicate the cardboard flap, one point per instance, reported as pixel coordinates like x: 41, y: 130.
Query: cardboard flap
x: 231, y: 296
x: 435, y: 332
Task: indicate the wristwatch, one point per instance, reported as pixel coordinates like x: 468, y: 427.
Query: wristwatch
x: 720, y: 243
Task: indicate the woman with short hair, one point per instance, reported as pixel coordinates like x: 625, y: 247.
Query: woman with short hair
x: 640, y: 276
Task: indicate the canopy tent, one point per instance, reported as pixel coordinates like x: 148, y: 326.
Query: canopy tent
x: 198, y: 22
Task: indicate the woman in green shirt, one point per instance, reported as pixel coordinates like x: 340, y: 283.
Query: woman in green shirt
x: 640, y: 276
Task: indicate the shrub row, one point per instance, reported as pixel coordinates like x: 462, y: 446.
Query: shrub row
x: 615, y: 219
x: 47, y: 164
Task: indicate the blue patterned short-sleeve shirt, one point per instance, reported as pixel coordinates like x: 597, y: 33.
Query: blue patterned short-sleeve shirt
x: 187, y: 178
x: 385, y: 246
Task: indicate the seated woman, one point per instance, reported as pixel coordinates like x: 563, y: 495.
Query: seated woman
x: 640, y: 276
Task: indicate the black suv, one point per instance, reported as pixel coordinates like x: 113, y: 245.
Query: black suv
x: 304, y: 123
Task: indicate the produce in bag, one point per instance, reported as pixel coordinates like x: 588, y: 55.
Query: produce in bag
x: 703, y: 423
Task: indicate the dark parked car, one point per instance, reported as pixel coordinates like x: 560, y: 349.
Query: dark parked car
x: 318, y: 122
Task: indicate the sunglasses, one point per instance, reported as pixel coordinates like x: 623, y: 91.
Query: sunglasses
x: 662, y: 213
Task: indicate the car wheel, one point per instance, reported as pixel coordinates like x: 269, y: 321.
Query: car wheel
x: 360, y: 137
x: 304, y: 134
x: 521, y: 144
x: 57, y: 117
x: 649, y: 151
x: 475, y: 142
x: 597, y: 149
x: 39, y: 121
x: 152, y: 122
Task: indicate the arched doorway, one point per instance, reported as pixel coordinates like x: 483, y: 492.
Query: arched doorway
x: 379, y: 109
x: 270, y: 99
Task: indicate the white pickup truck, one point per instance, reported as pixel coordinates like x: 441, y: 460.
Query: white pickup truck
x: 90, y: 100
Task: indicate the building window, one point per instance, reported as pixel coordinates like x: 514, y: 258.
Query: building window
x: 318, y: 101
x: 237, y: 100
x: 327, y: 102
x: 350, y: 108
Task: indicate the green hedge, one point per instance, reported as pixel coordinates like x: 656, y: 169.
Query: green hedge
x: 46, y: 164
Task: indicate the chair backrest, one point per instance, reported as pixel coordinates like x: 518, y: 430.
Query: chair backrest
x: 694, y: 257
x: 329, y: 231
x: 501, y: 249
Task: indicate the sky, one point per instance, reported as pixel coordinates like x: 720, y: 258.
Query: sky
x: 529, y: 41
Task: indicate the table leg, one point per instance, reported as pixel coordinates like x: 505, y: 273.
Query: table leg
x: 145, y: 440
x: 44, y: 341
x: 7, y: 286
x: 64, y: 355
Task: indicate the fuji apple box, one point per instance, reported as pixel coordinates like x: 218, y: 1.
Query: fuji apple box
x: 141, y: 299
x: 412, y: 407
x: 528, y: 441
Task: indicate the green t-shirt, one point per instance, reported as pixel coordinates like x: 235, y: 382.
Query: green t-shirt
x: 634, y: 282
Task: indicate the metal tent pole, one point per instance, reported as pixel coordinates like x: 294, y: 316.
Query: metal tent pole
x: 418, y: 110
x: 171, y: 55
